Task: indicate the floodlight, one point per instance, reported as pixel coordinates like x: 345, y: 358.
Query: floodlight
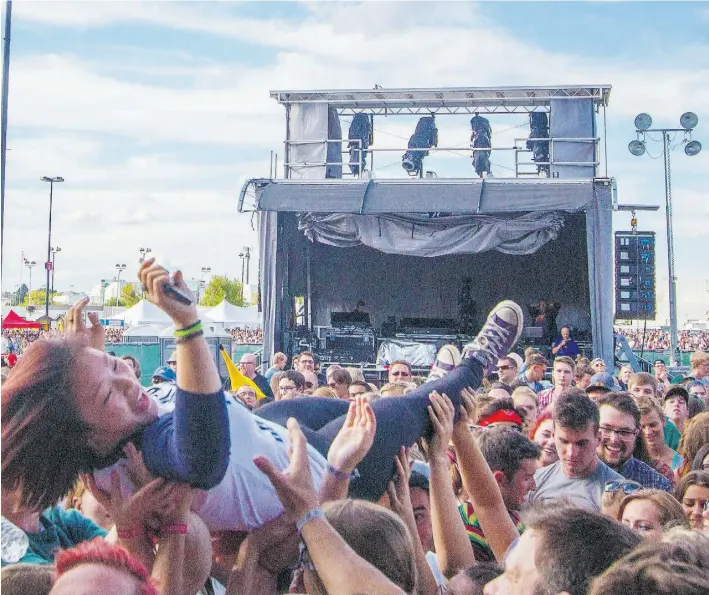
x: 643, y: 121
x: 692, y: 148
x: 424, y: 137
x: 637, y: 147
x: 481, y: 136
x: 689, y: 120
x: 360, y: 130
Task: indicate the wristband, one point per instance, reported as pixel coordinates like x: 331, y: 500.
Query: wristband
x: 193, y: 328
x: 129, y: 533
x: 315, y: 513
x: 176, y: 529
x: 185, y: 338
x: 341, y: 475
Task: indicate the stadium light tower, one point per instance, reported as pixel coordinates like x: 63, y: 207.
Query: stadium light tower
x: 48, y: 263
x: 643, y: 126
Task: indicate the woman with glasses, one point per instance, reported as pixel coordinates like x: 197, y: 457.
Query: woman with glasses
x: 650, y: 512
x: 692, y: 492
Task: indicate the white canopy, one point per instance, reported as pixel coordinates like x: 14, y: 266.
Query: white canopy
x: 210, y: 329
x: 231, y: 315
x: 145, y: 330
x: 144, y: 313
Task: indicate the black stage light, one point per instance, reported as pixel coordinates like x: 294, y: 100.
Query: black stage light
x: 360, y: 130
x: 539, y: 128
x: 481, y: 136
x: 424, y: 137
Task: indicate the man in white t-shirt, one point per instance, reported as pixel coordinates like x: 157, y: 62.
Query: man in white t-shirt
x: 579, y: 475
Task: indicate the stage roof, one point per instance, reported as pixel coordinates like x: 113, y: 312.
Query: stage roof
x: 461, y: 196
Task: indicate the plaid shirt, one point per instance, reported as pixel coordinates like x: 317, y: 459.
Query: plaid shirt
x: 545, y: 398
x: 645, y: 475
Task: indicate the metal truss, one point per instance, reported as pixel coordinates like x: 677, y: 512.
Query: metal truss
x: 445, y: 101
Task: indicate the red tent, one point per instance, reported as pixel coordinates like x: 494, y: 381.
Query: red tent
x: 13, y: 320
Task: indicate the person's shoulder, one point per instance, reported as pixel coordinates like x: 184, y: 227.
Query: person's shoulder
x: 544, y: 473
x: 604, y: 473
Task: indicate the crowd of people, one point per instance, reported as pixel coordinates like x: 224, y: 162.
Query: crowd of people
x: 246, y: 336
x: 480, y: 478
x: 659, y: 340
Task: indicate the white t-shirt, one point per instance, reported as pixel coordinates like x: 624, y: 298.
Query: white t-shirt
x: 245, y: 498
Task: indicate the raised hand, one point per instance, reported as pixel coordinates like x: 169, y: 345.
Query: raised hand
x: 74, y: 324
x: 355, y: 438
x: 467, y: 412
x: 294, y: 485
x: 154, y: 278
x: 398, y: 491
x: 441, y: 413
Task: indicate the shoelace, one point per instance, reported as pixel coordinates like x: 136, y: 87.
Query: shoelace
x: 495, y: 334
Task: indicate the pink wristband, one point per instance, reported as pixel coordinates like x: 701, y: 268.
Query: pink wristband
x: 177, y: 528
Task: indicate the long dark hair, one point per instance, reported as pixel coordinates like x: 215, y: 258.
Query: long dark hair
x: 44, y: 440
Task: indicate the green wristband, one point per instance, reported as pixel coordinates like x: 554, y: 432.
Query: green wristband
x: 183, y: 332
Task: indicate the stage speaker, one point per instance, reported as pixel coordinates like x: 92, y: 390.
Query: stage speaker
x: 635, y: 295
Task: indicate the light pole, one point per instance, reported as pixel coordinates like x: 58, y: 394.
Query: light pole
x: 30, y: 266
x: 48, y: 263
x: 120, y: 268
x: 144, y: 254
x: 54, y: 255
x: 688, y: 122
x: 204, y: 271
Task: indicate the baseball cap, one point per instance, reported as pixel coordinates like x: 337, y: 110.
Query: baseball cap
x: 676, y: 390
x: 659, y: 361
x: 165, y: 373
x: 418, y: 480
x: 597, y: 360
x: 604, y: 381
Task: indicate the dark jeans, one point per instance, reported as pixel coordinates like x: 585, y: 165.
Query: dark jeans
x: 400, y: 422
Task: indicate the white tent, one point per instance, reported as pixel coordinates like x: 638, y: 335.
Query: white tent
x: 233, y: 316
x: 144, y: 313
x: 210, y: 329
x: 145, y: 330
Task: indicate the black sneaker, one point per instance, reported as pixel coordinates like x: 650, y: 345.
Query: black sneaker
x: 498, y: 335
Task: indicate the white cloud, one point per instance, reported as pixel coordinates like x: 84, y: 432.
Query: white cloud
x: 188, y: 210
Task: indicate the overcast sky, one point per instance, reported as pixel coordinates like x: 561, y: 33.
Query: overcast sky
x: 155, y: 113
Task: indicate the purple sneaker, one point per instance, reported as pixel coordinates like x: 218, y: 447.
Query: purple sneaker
x: 498, y: 335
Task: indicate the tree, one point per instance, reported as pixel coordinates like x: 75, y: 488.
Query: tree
x: 128, y: 297
x: 38, y: 297
x: 220, y: 288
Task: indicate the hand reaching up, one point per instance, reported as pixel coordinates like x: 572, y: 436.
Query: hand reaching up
x: 441, y: 413
x: 74, y: 324
x: 294, y: 485
x: 355, y: 438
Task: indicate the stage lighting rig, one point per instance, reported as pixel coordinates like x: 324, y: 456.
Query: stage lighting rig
x: 688, y: 121
x: 360, y: 136
x: 539, y: 128
x: 481, y: 136
x: 424, y: 137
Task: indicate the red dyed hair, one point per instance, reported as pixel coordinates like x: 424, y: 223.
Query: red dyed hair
x: 100, y: 551
x: 545, y: 415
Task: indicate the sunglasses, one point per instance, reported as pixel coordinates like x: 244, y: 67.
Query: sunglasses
x: 627, y: 487
x: 503, y: 367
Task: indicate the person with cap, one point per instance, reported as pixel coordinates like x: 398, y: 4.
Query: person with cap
x: 172, y: 361
x: 600, y: 385
x: 663, y: 380
x: 164, y: 385
x: 700, y: 391
x: 247, y: 365
x: 676, y: 406
x: 619, y: 428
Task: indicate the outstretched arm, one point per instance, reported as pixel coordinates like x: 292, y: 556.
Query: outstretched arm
x: 481, y: 486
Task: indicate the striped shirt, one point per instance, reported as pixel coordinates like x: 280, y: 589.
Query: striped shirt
x: 481, y: 548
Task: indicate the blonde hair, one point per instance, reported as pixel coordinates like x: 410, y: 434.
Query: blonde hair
x: 695, y: 435
x: 356, y: 374
x: 378, y: 536
x: 278, y: 357
x: 526, y: 392
x: 671, y: 511
x: 325, y: 391
x: 698, y: 358
x: 397, y: 389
